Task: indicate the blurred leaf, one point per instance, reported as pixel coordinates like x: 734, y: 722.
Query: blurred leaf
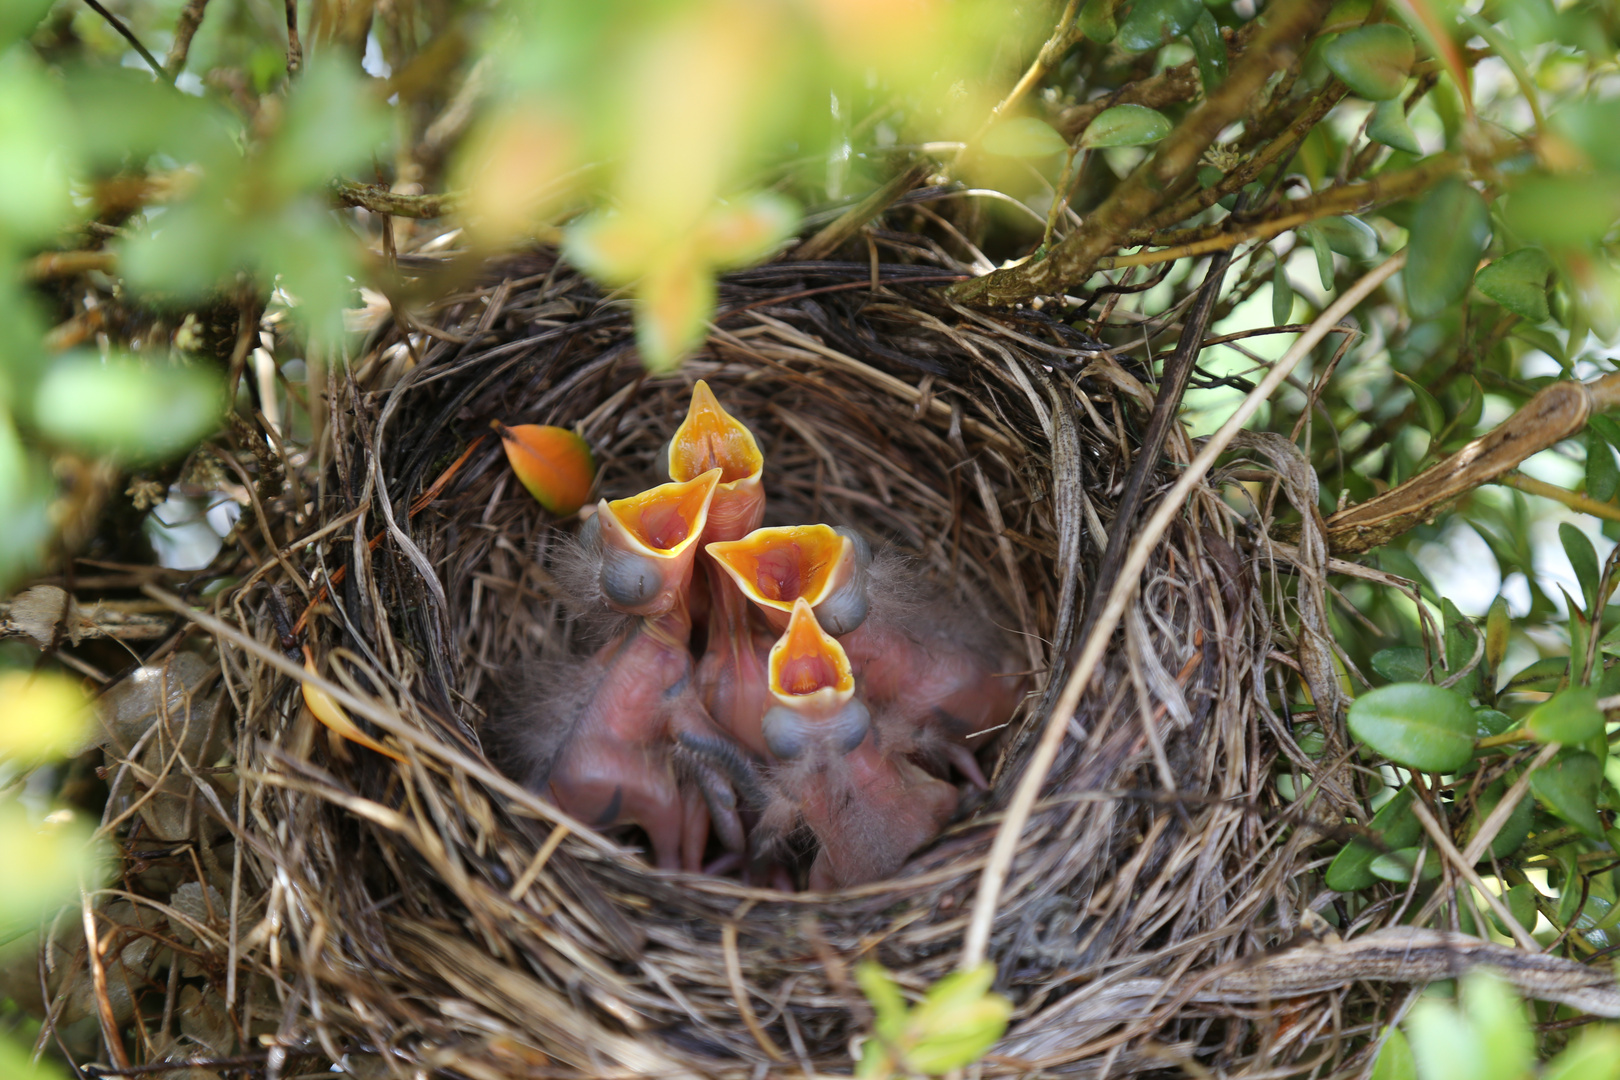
x: 1597, y: 292
x: 25, y: 491
x: 1373, y: 61
x: 1504, y: 1032
x: 515, y: 170
x: 332, y: 124
x: 958, y: 1021
x: 1396, y: 827
x: 1389, y: 126
x: 1521, y: 904
x: 1444, y: 1044
x: 1349, y: 236
x: 44, y: 862
x: 1602, y: 475
x: 609, y: 247
x: 1024, y: 136
x: 130, y: 410
x: 1514, y: 831
x: 553, y: 463
x: 1125, y: 125
x: 1594, y: 1056
x: 748, y: 228
x: 1096, y: 20
x: 1448, y: 234
x: 882, y: 993
x: 1519, y: 283
x: 45, y: 715
x: 1583, y: 559
x: 1543, y: 674
x: 316, y: 261
x: 1417, y: 725
x: 1591, y: 124
x: 1398, y: 865
x: 1395, y: 1059
x: 18, y: 19
x: 123, y: 116
x: 1282, y: 295
x: 16, y: 1060
x: 1436, y: 20
x: 1151, y: 23
x: 1403, y: 663
x: 1323, y: 253
x: 1434, y: 417
x: 185, y: 249
x: 39, y: 151
x: 1568, y: 787
x: 676, y: 300
x: 1210, y: 50
x: 1570, y: 716
x: 1562, y: 210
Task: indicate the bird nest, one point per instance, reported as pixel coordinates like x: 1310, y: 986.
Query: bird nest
x: 428, y: 916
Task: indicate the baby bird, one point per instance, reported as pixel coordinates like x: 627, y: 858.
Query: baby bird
x: 867, y: 804
x: 732, y: 671
x: 621, y: 737
x: 921, y: 663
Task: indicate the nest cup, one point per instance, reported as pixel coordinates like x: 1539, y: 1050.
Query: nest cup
x: 434, y: 914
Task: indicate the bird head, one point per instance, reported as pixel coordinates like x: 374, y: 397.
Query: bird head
x: 711, y: 438
x: 648, y: 542
x: 824, y: 566
x: 813, y: 688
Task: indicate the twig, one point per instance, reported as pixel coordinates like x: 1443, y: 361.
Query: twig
x: 185, y: 28
x: 1005, y: 846
x: 128, y: 35
x: 295, y: 48
x: 379, y: 200
x: 847, y: 224
x: 1141, y: 193
x: 1064, y: 34
x: 1450, y: 852
x: 1555, y: 413
x: 1531, y: 486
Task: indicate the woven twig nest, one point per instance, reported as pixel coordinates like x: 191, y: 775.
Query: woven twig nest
x: 429, y: 914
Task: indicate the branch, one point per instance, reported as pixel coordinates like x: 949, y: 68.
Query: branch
x: 1141, y: 193
x: 185, y: 28
x: 128, y: 35
x: 1555, y: 413
x: 851, y: 221
x: 379, y: 200
x: 1579, y: 503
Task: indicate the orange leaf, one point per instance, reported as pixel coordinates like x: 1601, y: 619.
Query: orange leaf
x: 1437, y: 35
x: 552, y: 462
x: 329, y: 712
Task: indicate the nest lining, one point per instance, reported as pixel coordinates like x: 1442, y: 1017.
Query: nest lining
x: 437, y: 916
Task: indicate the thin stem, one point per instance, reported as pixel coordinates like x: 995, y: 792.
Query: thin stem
x: 1531, y: 486
x: 185, y: 28
x: 128, y: 35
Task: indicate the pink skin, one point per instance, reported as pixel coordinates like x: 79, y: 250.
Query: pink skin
x: 617, y: 768
x: 870, y: 811
x: 950, y: 692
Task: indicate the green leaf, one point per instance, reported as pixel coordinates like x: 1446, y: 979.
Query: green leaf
x: 44, y: 863
x: 1282, y: 295
x: 1543, y: 674
x: 1462, y: 639
x: 1602, y: 475
x: 19, y: 18
x: 333, y: 123
x: 1583, y: 558
x: 1373, y: 61
x: 883, y: 993
x: 1323, y: 253
x: 1413, y: 724
x: 1562, y: 211
x: 1151, y: 23
x: 1570, y: 717
x: 1398, y: 865
x: 1514, y: 831
x: 1491, y: 722
x: 1449, y: 231
x: 1403, y: 663
x: 1434, y: 417
x: 26, y: 492
x: 39, y: 143
x: 1591, y: 123
x: 1395, y: 826
x: 1350, y: 237
x: 1596, y: 1056
x: 1568, y: 787
x: 1395, y: 1059
x: 1519, y: 283
x: 130, y: 410
x: 1499, y: 1017
x: 1096, y: 20
x: 1125, y: 125
x: 1210, y: 49
x: 1024, y: 136
x: 1389, y: 126
x: 1444, y: 1043
x: 957, y: 1022
x: 1521, y: 904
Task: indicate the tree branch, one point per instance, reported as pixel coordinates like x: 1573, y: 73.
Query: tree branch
x: 1140, y: 194
x: 185, y: 28
x: 128, y: 35
x: 379, y: 200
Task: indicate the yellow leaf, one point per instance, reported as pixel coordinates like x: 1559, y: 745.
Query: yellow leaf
x: 515, y: 172
x: 44, y: 714
x: 677, y: 299
x: 746, y: 229
x: 329, y: 712
x: 610, y: 247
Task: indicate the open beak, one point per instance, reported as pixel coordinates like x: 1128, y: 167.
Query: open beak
x: 711, y: 438
x: 816, y: 563
x: 814, y: 689
x: 648, y: 543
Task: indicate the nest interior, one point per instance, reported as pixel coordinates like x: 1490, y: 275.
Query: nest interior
x: 433, y: 914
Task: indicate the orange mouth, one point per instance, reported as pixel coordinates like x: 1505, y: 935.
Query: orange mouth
x: 711, y: 438
x: 666, y: 519
x: 806, y: 661
x: 776, y: 566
